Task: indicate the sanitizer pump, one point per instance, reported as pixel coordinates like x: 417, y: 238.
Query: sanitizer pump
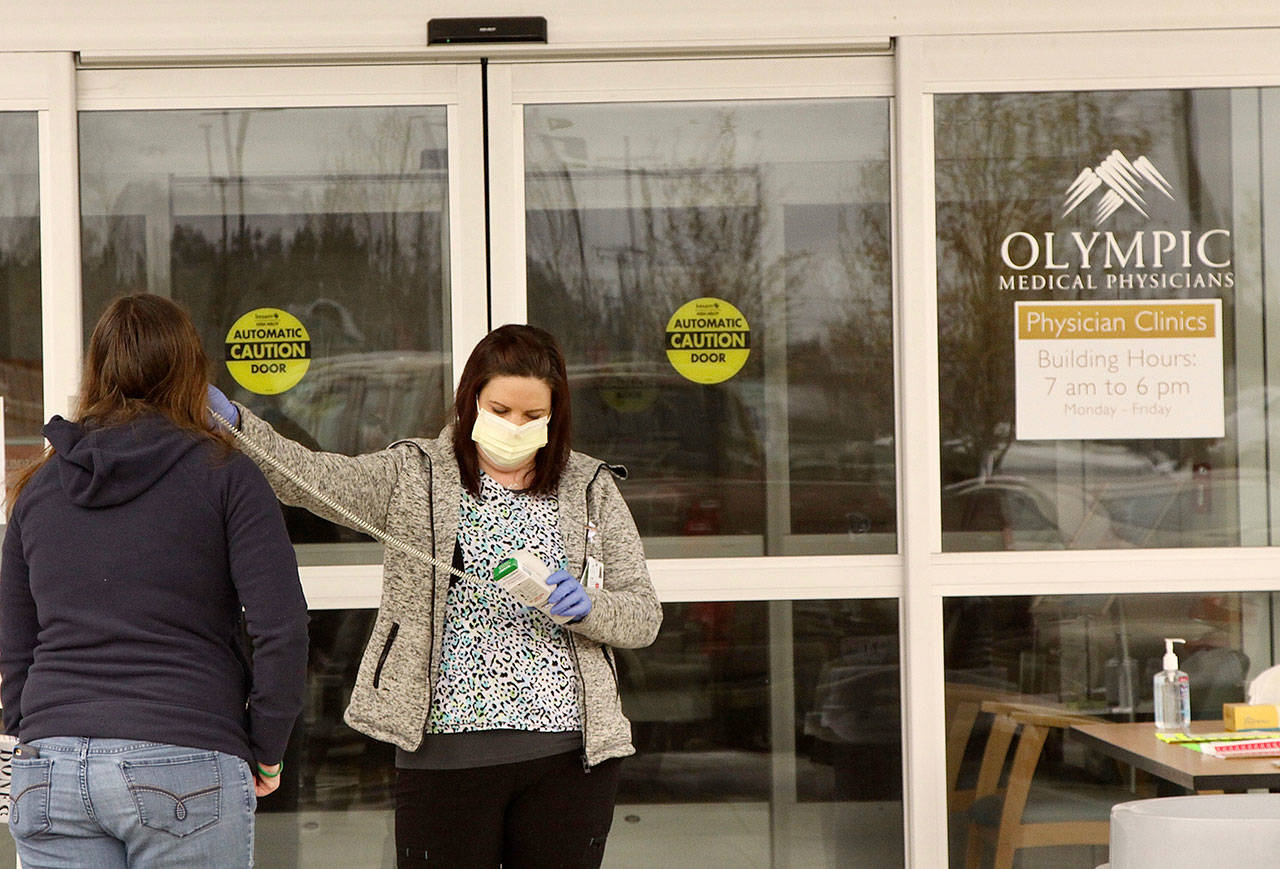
x: 1172, y: 693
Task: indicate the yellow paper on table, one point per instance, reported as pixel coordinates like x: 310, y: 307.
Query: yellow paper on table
x: 1220, y: 736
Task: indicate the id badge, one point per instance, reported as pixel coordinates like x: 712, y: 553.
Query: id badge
x: 595, y: 574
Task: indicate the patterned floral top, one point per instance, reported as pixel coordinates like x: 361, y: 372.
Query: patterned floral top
x: 504, y: 665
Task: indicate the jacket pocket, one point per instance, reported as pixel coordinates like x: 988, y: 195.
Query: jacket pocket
x: 613, y: 668
x: 29, y: 805
x: 178, y: 795
x: 386, y: 650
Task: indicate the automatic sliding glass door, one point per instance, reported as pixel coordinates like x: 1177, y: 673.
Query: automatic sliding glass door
x: 345, y: 207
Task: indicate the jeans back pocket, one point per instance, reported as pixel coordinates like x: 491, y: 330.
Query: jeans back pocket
x: 178, y: 795
x: 29, y: 796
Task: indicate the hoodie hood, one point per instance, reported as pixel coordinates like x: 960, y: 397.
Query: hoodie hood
x: 103, y: 467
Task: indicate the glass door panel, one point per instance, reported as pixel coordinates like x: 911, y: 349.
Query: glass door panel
x: 711, y: 244
x: 1080, y: 200
x: 21, y: 355
x: 354, y: 210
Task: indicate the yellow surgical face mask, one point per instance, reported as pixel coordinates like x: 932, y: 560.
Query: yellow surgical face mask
x: 504, y: 444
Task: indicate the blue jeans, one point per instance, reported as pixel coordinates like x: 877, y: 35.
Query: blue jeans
x: 121, y: 802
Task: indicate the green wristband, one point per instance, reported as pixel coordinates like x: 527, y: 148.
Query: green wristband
x: 262, y: 772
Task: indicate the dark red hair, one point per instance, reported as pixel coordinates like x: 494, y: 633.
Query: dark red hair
x: 515, y: 351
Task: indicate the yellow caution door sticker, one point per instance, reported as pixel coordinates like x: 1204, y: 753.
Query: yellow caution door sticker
x: 268, y: 351
x: 708, y: 340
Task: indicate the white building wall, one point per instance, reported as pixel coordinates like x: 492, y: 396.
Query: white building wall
x: 377, y: 26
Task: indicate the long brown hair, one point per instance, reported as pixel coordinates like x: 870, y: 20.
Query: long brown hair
x: 144, y: 357
x: 515, y: 351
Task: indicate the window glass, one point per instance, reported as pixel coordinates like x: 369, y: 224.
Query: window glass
x: 1022, y: 673
x: 1090, y: 211
x: 337, y: 217
x: 334, y: 807
x: 760, y: 728
x: 21, y: 371
x: 764, y: 728
x: 719, y: 275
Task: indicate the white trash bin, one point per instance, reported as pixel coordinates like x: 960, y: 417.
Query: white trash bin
x: 1196, y: 832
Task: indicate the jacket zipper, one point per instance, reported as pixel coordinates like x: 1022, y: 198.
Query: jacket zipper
x: 386, y: 650
x: 431, y: 649
x: 582, y: 698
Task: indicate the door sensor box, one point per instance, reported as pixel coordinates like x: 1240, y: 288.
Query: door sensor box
x: 470, y: 31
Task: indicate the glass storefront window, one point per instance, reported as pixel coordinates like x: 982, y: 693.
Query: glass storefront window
x: 719, y: 274
x: 21, y: 369
x: 336, y: 216
x: 1059, y: 660
x: 1090, y: 436
x: 712, y: 737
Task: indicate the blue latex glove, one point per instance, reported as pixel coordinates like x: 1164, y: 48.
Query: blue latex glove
x: 568, y: 598
x: 221, y: 405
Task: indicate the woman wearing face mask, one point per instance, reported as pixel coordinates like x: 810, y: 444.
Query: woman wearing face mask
x: 508, y: 724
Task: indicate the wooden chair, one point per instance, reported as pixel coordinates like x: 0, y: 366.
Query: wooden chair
x: 963, y: 708
x: 996, y: 813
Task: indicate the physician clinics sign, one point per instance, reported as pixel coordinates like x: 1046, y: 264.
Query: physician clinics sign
x: 1145, y: 365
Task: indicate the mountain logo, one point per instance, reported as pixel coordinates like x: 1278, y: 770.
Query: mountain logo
x: 1124, y: 183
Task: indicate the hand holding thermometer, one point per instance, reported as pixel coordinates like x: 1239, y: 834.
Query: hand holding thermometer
x: 524, y: 576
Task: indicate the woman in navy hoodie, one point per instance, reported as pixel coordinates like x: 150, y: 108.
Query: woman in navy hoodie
x: 137, y: 554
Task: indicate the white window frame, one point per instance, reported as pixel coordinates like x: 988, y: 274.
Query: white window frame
x: 44, y: 83
x: 928, y: 66
x: 457, y: 87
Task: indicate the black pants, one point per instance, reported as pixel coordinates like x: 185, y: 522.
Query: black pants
x: 547, y: 813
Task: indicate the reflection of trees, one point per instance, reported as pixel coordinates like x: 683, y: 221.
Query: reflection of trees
x: 20, y: 275
x: 800, y: 248
x: 20, y: 361
x: 693, y: 228
x: 998, y: 156
x: 366, y: 234
x: 861, y: 338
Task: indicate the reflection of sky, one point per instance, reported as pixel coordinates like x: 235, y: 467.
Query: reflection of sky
x: 277, y: 142
x: 19, y: 165
x: 833, y: 284
x: 660, y: 135
x: 814, y: 161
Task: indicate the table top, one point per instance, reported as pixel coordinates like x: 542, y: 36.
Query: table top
x: 1137, y: 745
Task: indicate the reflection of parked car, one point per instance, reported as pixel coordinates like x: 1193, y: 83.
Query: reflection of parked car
x: 360, y: 402
x: 1196, y: 507
x: 994, y: 513
x: 696, y: 465
x: 1088, y: 495
x: 1187, y: 508
x: 696, y: 457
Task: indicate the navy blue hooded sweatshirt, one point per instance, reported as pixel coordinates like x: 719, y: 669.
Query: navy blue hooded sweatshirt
x: 126, y: 562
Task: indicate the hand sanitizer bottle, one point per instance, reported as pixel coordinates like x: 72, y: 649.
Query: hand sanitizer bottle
x: 1172, y: 693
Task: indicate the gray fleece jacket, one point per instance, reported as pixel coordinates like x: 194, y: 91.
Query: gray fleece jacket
x: 399, y: 489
